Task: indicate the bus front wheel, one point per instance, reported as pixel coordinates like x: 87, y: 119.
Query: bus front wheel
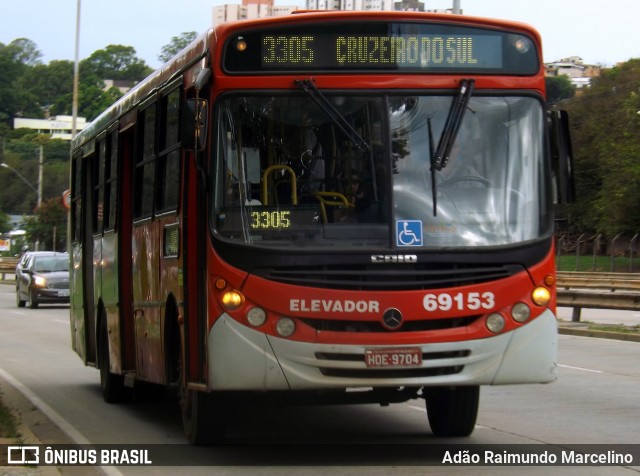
x: 452, y: 411
x: 204, y: 417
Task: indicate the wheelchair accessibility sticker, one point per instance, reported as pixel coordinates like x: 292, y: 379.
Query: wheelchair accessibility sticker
x: 409, y: 233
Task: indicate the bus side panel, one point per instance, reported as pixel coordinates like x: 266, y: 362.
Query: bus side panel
x: 109, y: 296
x: 78, y: 342
x: 147, y: 301
x: 124, y: 256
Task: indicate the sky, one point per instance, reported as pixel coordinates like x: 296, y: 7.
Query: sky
x: 601, y: 33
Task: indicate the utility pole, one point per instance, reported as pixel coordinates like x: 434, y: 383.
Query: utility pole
x: 40, y: 173
x: 456, y: 7
x: 76, y: 75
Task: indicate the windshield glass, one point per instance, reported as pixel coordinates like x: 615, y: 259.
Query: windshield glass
x: 51, y: 263
x: 357, y: 171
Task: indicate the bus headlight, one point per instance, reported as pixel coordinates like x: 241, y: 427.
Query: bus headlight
x: 286, y: 326
x: 541, y: 296
x: 232, y: 300
x: 256, y: 316
x: 520, y: 312
x: 495, y: 322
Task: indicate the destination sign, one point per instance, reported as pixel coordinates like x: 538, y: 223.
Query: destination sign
x: 357, y: 51
x: 381, y: 46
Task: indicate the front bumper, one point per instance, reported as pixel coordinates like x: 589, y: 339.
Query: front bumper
x: 243, y: 359
x: 47, y: 295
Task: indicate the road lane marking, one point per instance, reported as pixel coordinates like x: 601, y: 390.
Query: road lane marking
x: 54, y: 416
x: 580, y: 368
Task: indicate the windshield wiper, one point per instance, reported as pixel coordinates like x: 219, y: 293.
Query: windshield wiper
x: 440, y: 157
x: 309, y: 87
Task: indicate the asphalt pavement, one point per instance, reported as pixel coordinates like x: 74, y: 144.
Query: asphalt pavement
x: 36, y: 428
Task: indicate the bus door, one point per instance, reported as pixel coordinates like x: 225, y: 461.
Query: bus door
x: 124, y: 225
x: 194, y: 226
x: 86, y: 247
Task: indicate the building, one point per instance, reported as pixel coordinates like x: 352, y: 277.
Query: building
x: 264, y: 8
x: 250, y: 9
x: 573, y: 67
x: 373, y: 5
x: 58, y: 127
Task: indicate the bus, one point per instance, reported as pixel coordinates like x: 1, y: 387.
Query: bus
x: 323, y: 207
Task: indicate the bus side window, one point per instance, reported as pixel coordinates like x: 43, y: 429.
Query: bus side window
x: 169, y: 153
x: 111, y: 181
x: 145, y: 163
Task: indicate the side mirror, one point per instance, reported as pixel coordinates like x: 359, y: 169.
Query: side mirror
x: 561, y: 156
x: 194, y: 124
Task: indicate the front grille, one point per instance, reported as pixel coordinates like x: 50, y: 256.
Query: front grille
x: 329, y: 325
x: 58, y: 285
x: 392, y: 373
x: 390, y: 277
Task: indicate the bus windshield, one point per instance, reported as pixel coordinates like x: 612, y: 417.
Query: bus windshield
x: 357, y: 171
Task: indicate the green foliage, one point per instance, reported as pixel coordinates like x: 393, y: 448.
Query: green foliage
x: 29, y: 88
x: 177, y: 44
x: 115, y: 62
x: 5, y: 226
x: 605, y: 134
x: 44, y: 85
x: 8, y: 422
x: 559, y: 88
x: 48, y: 222
x: 21, y: 152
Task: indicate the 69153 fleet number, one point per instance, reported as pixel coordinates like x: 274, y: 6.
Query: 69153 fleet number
x: 473, y: 301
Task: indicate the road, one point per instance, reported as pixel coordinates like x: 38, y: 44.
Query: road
x: 594, y: 401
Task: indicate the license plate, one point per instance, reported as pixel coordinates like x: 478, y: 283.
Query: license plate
x: 63, y: 293
x: 393, y: 357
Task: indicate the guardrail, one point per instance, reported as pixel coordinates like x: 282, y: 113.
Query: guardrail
x: 598, y: 291
x: 7, y: 266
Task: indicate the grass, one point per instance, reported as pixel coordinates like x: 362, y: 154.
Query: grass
x: 8, y: 422
x: 614, y: 328
x: 621, y: 264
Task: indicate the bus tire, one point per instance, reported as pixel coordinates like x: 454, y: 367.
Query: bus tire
x: 203, y: 416
x: 452, y: 411
x: 113, y: 389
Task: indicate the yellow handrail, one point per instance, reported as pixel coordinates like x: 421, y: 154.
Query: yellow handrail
x: 334, y: 199
x: 265, y: 188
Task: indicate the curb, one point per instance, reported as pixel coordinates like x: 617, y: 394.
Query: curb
x: 582, y: 332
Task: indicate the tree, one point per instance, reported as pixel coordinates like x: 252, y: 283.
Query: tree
x: 605, y: 130
x: 21, y: 145
x: 26, y: 51
x: 5, y: 224
x: 45, y: 85
x: 48, y: 224
x: 115, y: 62
x: 559, y: 88
x: 178, y: 43
x: 11, y: 69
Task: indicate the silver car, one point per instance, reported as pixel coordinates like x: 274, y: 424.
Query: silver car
x: 43, y: 278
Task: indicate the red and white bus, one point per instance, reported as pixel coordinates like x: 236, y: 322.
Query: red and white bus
x: 327, y: 206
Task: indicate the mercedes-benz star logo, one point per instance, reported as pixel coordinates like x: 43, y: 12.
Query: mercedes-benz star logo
x: 392, y: 319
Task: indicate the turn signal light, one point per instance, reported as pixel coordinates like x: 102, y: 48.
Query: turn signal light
x: 232, y: 300
x: 541, y: 296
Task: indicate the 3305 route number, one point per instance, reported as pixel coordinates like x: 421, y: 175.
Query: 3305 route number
x: 473, y: 301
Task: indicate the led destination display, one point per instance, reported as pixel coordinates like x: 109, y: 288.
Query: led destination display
x: 381, y: 46
x: 408, y: 51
